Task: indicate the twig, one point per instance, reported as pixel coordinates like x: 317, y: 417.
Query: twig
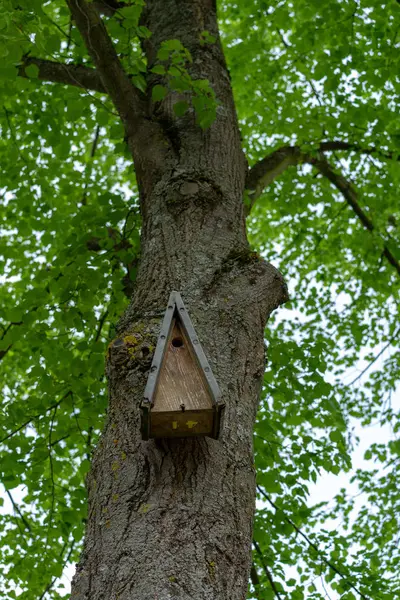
x: 6, y: 330
x: 77, y: 420
x: 50, y: 585
x: 8, y: 436
x: 376, y: 358
x: 92, y: 154
x: 255, y: 580
x: 4, y: 352
x: 14, y: 139
x: 57, y: 26
x: 325, y: 590
x: 101, y: 323
x: 17, y: 510
x: 64, y: 437
x: 89, y: 443
x: 267, y: 571
x: 51, y: 477
x: 130, y: 211
x: 311, y: 544
x: 69, y: 34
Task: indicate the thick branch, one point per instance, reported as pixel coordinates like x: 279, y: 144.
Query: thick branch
x: 108, y: 7
x: 269, y: 168
x: 273, y: 165
x: 351, y: 197
x: 101, y: 49
x: 78, y: 75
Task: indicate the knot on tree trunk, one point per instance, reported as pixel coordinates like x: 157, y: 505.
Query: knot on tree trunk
x: 246, y: 280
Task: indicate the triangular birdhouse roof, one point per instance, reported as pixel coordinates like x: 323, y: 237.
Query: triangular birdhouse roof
x: 179, y: 371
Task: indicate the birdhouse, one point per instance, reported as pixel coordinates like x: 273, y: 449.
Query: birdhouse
x: 182, y: 397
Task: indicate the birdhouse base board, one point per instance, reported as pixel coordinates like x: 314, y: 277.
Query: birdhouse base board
x: 181, y: 424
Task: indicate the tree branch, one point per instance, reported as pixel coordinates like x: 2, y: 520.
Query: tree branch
x: 32, y: 418
x: 53, y: 496
x: 4, y: 352
x: 109, y: 7
x: 269, y: 168
x: 54, y: 579
x: 18, y: 511
x: 92, y: 154
x: 273, y: 165
x: 254, y: 579
x: 77, y: 75
x: 267, y: 571
x: 351, y: 197
x: 101, y: 323
x: 124, y: 95
x: 12, y: 133
x: 369, y: 365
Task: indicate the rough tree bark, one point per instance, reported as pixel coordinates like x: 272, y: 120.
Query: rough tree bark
x: 173, y: 518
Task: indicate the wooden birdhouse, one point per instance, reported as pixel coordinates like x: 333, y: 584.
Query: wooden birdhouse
x: 182, y: 397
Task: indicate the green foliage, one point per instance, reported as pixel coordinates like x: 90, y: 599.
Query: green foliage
x: 318, y: 72
x: 70, y: 222
x: 174, y: 58
x: 303, y: 73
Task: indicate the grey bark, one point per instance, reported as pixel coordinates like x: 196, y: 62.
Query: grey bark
x: 172, y: 519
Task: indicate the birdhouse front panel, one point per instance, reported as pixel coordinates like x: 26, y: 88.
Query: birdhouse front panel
x: 182, y: 402
x: 181, y: 383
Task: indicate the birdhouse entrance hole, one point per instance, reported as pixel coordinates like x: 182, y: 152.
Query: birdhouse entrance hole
x: 177, y: 342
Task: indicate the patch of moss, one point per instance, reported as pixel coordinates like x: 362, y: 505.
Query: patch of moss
x: 243, y: 256
x: 211, y: 568
x: 132, y: 340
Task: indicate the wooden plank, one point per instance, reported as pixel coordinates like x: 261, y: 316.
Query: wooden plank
x: 181, y: 385
x: 181, y: 424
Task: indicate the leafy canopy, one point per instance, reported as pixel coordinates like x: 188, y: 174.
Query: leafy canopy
x: 304, y: 73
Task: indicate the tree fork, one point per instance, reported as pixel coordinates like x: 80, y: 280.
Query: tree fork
x: 173, y: 518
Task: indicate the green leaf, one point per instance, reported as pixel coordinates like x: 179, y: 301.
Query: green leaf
x: 159, y: 69
x: 180, y: 108
x: 32, y: 71
x: 158, y: 93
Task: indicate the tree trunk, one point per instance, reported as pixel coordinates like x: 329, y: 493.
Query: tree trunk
x: 173, y: 518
